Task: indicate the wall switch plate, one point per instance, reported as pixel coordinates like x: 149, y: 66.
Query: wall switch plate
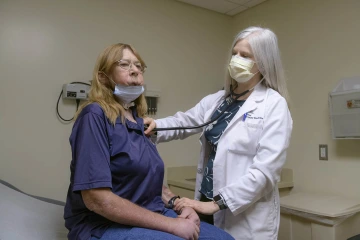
x: 323, y: 152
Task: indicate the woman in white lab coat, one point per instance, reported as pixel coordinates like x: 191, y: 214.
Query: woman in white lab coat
x: 242, y: 152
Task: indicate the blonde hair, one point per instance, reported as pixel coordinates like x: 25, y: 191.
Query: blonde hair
x: 101, y: 92
x: 264, y: 45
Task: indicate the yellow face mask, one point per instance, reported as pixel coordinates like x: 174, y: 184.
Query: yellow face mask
x: 240, y: 69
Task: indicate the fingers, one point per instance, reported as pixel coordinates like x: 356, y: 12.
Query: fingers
x: 191, y: 216
x: 196, y: 236
x: 183, y: 214
x: 197, y: 228
x: 186, y: 229
x: 178, y: 207
x: 147, y: 122
x: 179, y: 201
x: 176, y: 200
x: 197, y: 232
x: 183, y: 202
x: 197, y: 221
x: 150, y: 125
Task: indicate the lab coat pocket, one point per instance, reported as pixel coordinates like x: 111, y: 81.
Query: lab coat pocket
x: 261, y: 218
x: 244, y: 138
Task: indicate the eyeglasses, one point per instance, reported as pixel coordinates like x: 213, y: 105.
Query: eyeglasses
x: 126, y: 65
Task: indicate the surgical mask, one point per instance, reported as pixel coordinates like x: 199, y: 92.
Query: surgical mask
x: 240, y: 69
x: 126, y: 94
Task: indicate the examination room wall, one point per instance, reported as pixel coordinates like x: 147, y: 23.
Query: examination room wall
x: 319, y: 41
x: 44, y: 44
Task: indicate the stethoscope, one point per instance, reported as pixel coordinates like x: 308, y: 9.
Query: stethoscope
x: 233, y: 97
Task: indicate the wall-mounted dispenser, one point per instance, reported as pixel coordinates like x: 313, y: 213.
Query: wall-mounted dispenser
x: 151, y: 100
x: 344, y: 104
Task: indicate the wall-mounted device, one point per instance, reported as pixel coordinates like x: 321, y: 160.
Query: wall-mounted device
x: 151, y: 100
x: 75, y: 91
x: 344, y: 104
x: 323, y: 152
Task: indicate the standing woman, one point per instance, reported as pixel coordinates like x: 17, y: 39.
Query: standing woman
x: 242, y: 152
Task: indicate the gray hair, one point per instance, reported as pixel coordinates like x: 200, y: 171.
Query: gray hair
x: 265, y: 48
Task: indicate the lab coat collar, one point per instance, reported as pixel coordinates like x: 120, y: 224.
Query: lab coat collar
x: 258, y: 95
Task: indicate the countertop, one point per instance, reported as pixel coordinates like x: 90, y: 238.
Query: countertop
x: 184, y: 177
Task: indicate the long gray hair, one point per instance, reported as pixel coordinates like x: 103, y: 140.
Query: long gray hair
x: 265, y: 48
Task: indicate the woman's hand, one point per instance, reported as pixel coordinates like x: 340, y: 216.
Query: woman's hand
x: 150, y: 125
x: 184, y: 228
x: 189, y: 213
x: 207, y: 208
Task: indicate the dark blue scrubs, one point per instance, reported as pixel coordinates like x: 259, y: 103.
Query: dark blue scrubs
x: 118, y: 157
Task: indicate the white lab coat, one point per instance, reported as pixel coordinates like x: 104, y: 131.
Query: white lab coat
x: 250, y: 155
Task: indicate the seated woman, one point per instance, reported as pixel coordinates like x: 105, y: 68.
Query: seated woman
x: 117, y: 174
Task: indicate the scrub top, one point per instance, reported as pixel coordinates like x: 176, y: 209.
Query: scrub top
x: 119, y: 157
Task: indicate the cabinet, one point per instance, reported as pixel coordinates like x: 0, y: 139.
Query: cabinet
x: 314, y: 216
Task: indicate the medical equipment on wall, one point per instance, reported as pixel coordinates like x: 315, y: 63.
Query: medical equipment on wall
x: 344, y: 105
x: 75, y: 90
x: 151, y: 97
x: 233, y: 97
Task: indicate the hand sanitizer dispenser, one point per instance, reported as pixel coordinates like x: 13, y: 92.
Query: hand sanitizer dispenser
x: 344, y: 104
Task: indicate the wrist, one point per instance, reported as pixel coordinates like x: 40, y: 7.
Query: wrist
x: 216, y: 207
x: 171, y: 224
x: 171, y: 202
x: 220, y: 201
x: 166, y: 194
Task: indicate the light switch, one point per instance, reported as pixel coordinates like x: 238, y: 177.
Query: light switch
x: 323, y: 152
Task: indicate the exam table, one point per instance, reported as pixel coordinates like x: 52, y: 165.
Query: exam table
x: 23, y: 216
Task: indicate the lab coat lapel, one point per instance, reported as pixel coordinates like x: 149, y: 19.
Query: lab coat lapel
x: 210, y: 112
x: 208, y: 115
x: 250, y: 104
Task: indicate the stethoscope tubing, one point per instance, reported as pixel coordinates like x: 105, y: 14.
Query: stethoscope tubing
x: 232, y: 94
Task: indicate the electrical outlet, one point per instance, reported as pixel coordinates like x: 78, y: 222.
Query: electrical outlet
x: 323, y: 152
